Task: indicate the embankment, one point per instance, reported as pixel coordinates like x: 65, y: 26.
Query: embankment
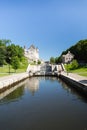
x: 75, y: 81
x: 9, y: 81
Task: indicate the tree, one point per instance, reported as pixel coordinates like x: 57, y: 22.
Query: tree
x: 20, y: 52
x: 52, y: 60
x: 2, y: 51
x: 58, y: 60
x: 39, y: 62
x: 12, y: 54
x: 2, y: 55
x: 4, y: 42
x: 13, y: 51
x: 74, y: 64
x: 15, y: 63
x: 79, y: 50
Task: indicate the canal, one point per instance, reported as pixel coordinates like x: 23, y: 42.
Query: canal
x: 43, y: 103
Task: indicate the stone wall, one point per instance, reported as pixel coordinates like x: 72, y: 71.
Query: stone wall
x: 44, y: 68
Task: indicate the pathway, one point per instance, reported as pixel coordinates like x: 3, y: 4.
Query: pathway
x: 11, y: 79
x: 76, y: 77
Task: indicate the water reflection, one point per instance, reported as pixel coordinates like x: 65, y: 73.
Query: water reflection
x: 32, y: 85
x: 50, y: 108
x: 14, y: 96
x: 13, y: 93
x: 71, y: 90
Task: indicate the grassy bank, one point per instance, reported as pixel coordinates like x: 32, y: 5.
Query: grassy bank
x: 4, y: 71
x: 81, y: 70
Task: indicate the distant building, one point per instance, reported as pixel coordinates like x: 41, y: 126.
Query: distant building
x: 32, y: 53
x: 68, y: 57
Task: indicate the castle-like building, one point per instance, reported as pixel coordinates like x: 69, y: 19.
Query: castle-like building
x: 68, y: 57
x: 32, y: 53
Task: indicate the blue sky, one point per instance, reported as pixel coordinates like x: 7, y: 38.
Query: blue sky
x: 51, y: 25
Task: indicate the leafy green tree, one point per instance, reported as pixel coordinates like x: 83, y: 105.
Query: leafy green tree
x: 24, y: 63
x: 74, y: 64
x: 4, y: 42
x: 39, y: 62
x: 52, y: 60
x: 34, y: 62
x: 8, y: 55
x: 79, y: 50
x: 2, y: 52
x: 15, y: 63
x: 2, y: 55
x: 20, y: 52
x: 58, y: 60
x: 12, y: 54
x: 13, y: 51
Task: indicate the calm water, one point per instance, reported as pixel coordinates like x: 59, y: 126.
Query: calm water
x: 43, y: 104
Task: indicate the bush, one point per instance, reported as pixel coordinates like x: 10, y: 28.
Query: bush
x: 39, y: 62
x: 74, y: 65
x: 15, y: 63
x: 52, y: 60
x: 23, y: 63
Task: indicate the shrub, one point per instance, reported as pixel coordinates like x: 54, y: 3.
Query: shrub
x: 74, y: 65
x: 39, y: 62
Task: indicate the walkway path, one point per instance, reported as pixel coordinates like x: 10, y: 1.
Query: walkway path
x: 9, y: 80
x: 76, y: 77
x: 11, y: 76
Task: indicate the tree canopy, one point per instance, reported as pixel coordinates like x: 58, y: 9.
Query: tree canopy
x: 13, y: 51
x: 11, y: 54
x: 79, y: 50
x: 52, y: 60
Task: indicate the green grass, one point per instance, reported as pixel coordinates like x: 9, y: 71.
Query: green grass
x: 81, y: 71
x: 4, y: 71
x: 5, y: 74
